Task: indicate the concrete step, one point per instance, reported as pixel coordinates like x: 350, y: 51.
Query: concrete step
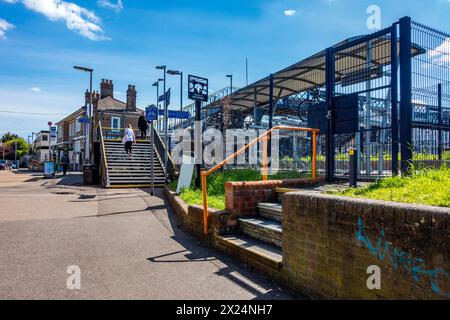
x: 246, y: 248
x: 267, y: 230
x: 282, y: 191
x: 271, y: 210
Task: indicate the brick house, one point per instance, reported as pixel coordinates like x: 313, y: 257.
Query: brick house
x: 111, y: 112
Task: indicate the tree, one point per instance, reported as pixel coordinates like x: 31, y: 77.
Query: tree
x: 9, y: 136
x: 10, y: 141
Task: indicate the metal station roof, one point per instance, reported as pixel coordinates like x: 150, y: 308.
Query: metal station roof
x: 310, y: 73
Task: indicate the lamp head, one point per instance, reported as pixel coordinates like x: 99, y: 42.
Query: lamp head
x: 83, y: 69
x: 173, y: 72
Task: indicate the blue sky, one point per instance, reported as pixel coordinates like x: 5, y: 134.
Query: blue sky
x: 40, y: 41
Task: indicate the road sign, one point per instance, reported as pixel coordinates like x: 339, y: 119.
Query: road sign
x: 151, y: 113
x: 198, y: 88
x: 83, y: 120
x: 179, y: 114
x: 50, y: 123
x: 53, y: 133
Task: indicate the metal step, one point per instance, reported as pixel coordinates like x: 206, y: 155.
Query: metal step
x: 267, y: 230
x: 243, y: 246
x: 270, y: 210
x: 135, y: 175
x: 130, y: 180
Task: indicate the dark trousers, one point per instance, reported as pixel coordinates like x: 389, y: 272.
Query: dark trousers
x: 128, y: 147
x: 65, y: 166
x: 143, y: 134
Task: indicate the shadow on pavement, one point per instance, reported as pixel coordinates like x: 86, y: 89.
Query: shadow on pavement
x: 194, y: 251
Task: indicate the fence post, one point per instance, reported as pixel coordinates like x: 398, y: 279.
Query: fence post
x: 440, y: 121
x: 394, y: 99
x: 406, y: 95
x: 330, y: 152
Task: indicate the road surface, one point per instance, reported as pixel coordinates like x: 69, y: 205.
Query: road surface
x: 126, y: 244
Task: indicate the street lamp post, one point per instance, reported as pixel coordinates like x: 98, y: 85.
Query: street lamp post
x: 231, y: 82
x: 89, y: 129
x: 166, y: 116
x: 32, y: 142
x: 178, y: 73
x: 28, y: 147
x: 156, y: 84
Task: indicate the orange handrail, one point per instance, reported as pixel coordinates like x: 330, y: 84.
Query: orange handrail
x: 266, y: 138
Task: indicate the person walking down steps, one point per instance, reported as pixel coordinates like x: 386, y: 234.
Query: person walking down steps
x: 129, y: 138
x: 143, y: 127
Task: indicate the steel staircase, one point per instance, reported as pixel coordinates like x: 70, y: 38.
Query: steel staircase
x: 134, y: 171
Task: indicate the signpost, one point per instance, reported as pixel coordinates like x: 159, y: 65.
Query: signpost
x: 49, y: 169
x: 198, y: 91
x: 151, y: 114
x: 83, y: 120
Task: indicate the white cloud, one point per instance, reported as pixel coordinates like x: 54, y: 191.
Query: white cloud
x: 441, y: 55
x: 77, y: 18
x: 4, y: 26
x: 35, y: 89
x: 290, y: 12
x: 118, y: 6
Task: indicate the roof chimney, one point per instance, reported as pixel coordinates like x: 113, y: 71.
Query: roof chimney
x: 95, y: 97
x: 131, y: 98
x: 106, y: 89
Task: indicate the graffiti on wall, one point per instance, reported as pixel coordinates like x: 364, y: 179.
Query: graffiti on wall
x: 417, y: 267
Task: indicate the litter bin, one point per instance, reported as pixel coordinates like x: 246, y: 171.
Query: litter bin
x: 91, y: 175
x: 95, y: 175
x: 88, y: 174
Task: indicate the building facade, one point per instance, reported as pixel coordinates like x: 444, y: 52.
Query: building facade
x: 113, y: 114
x: 42, y: 146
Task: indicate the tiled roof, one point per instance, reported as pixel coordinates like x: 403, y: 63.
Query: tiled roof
x: 109, y: 103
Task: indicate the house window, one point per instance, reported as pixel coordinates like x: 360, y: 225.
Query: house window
x: 45, y: 137
x: 78, y: 125
x: 60, y: 133
x: 115, y: 123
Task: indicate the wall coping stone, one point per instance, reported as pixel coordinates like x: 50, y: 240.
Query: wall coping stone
x: 374, y: 202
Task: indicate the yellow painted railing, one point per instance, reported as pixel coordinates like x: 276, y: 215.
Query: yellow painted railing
x: 265, y: 137
x: 105, y: 162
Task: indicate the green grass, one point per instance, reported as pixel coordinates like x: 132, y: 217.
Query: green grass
x: 216, y: 185
x: 429, y: 187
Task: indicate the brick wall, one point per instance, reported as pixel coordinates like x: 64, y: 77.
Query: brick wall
x: 329, y: 242
x: 191, y: 218
x: 243, y: 197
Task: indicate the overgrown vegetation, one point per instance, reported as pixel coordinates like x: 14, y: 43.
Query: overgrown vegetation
x: 216, y: 185
x: 427, y: 186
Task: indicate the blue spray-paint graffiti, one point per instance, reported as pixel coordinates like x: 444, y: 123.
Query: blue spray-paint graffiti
x: 401, y: 259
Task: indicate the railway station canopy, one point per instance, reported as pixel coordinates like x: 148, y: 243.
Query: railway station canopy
x: 310, y: 73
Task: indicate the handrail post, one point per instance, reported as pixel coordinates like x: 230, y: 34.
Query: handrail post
x: 266, y: 139
x: 314, y: 156
x: 205, y: 202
